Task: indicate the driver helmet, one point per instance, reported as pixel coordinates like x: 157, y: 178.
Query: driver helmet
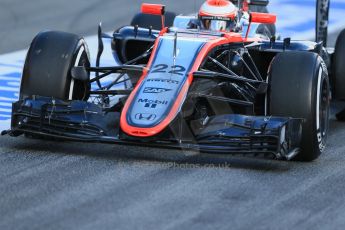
x: 218, y: 15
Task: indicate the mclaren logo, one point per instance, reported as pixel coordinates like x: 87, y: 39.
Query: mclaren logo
x: 155, y: 90
x: 145, y: 116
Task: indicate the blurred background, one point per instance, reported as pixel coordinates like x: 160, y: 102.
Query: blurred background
x: 21, y: 20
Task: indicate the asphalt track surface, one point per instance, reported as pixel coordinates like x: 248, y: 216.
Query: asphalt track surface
x: 56, y: 185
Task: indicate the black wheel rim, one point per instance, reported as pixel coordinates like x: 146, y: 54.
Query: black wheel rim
x: 323, y: 111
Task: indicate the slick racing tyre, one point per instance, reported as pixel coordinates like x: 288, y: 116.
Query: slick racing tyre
x: 339, y: 67
x: 48, y: 64
x: 299, y: 88
x: 145, y: 20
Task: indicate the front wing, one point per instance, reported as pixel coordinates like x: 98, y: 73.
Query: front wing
x: 222, y: 134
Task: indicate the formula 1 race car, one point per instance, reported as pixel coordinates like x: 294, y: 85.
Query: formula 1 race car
x: 217, y: 82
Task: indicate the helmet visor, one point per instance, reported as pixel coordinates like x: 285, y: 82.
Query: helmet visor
x: 218, y: 25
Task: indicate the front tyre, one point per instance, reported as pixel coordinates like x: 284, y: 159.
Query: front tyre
x: 48, y: 64
x: 299, y: 88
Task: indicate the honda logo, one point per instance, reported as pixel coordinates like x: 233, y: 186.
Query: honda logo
x: 145, y: 116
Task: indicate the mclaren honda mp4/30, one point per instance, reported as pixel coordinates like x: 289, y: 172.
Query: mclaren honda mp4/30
x: 176, y: 84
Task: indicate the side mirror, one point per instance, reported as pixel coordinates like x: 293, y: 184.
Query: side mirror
x: 263, y: 18
x: 254, y: 2
x: 259, y: 2
x: 153, y: 9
